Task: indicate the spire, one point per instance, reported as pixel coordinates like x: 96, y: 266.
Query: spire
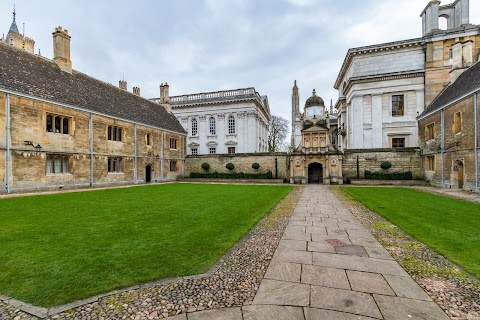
x: 14, y: 14
x: 314, y: 93
x: 331, y: 105
x: 295, y: 98
x: 13, y: 27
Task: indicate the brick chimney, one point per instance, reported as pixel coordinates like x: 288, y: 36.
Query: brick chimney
x: 61, y: 49
x: 122, y: 84
x: 136, y: 90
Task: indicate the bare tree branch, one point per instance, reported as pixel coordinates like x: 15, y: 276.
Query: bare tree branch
x: 278, y: 131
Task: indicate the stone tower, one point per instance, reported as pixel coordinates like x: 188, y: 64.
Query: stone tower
x: 14, y: 38
x: 296, y: 118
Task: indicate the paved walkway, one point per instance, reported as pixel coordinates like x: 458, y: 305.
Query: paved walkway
x: 329, y: 267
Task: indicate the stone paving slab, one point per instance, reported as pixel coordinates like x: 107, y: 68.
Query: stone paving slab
x: 327, y: 277
x: 369, y: 283
x: 394, y: 308
x: 272, y: 312
x: 272, y: 292
x: 218, y: 314
x: 320, y: 314
x: 284, y: 271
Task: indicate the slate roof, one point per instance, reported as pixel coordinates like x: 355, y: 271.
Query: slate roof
x: 26, y: 73
x: 467, y: 83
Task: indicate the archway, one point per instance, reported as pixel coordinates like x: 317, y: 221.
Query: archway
x: 148, y: 173
x: 315, y: 173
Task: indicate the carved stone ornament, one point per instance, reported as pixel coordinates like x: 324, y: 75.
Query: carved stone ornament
x: 333, y: 162
x: 297, y: 163
x: 221, y: 116
x: 241, y: 115
x: 202, y: 118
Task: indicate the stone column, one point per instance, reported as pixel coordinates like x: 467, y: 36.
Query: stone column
x: 377, y: 121
x: 357, y: 123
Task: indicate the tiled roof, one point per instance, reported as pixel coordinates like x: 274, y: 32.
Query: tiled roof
x: 28, y: 74
x: 467, y: 83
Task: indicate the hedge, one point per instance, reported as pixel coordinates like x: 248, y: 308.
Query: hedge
x: 388, y: 176
x: 237, y: 175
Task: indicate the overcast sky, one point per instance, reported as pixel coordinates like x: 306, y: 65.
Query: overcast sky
x: 209, y: 45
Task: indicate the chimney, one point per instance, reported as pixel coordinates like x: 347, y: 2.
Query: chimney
x: 122, y: 84
x: 61, y: 49
x: 136, y: 90
x: 165, y: 97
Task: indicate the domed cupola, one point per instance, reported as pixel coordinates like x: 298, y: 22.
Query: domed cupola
x: 315, y: 106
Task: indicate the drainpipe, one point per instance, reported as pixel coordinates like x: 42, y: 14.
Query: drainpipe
x: 163, y: 154
x: 91, y: 150
x: 475, y: 108
x: 442, y: 146
x: 135, y: 154
x: 183, y: 156
x: 7, y: 158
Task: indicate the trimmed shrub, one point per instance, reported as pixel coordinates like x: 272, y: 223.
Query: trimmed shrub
x: 205, y: 166
x: 388, y: 176
x: 230, y: 166
x: 386, y: 165
x: 235, y: 175
x: 256, y: 166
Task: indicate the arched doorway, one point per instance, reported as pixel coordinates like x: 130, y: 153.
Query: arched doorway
x: 315, y: 173
x: 148, y: 173
x: 458, y: 173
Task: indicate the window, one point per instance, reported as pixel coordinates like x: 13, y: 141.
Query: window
x: 398, y: 105
x: 231, y: 150
x: 398, y: 142
x: 430, y: 163
x: 450, y: 54
x: 148, y: 139
x: 194, y: 127
x: 173, y: 166
x: 114, y: 165
x: 212, y: 126
x: 114, y: 133
x: 57, y: 164
x: 194, y: 151
x: 231, y: 125
x: 457, y: 122
x: 173, y: 143
x: 212, y: 150
x: 58, y: 124
x: 430, y: 132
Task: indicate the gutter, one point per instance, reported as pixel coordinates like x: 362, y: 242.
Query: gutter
x: 7, y: 154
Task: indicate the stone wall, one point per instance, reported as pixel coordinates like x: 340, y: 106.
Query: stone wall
x: 243, y: 163
x: 402, y: 160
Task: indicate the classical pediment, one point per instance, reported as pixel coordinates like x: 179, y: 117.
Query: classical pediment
x: 231, y: 143
x: 212, y: 144
x: 315, y: 128
x: 193, y: 145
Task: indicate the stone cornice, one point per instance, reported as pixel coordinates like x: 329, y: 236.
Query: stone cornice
x: 383, y: 77
x: 417, y: 42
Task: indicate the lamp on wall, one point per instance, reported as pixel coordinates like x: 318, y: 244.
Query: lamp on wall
x: 38, y: 147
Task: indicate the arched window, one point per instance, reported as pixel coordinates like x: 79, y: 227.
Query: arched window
x: 213, y: 126
x: 194, y: 127
x: 231, y: 125
x: 443, y: 22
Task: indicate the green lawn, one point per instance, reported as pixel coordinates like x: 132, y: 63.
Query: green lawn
x: 448, y: 226
x: 59, y: 248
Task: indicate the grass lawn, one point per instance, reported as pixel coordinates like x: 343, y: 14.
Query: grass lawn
x: 58, y: 248
x: 448, y: 226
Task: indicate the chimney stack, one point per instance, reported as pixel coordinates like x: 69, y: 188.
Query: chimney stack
x: 122, y: 84
x: 136, y: 90
x: 165, y: 97
x: 61, y: 49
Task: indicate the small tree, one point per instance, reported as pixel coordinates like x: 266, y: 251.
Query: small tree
x: 278, y: 131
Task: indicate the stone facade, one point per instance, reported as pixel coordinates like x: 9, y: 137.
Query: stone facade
x: 277, y: 163
x: 223, y: 122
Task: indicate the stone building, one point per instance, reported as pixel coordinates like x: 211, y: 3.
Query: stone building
x: 66, y: 129
x: 451, y: 134
x: 314, y: 157
x: 222, y: 122
x: 384, y: 88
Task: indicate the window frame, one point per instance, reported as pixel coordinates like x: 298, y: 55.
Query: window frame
x: 398, y: 111
x: 212, y: 150
x: 115, y: 133
x: 457, y: 122
x: 173, y: 143
x: 430, y: 163
x: 114, y: 165
x: 194, y: 151
x: 173, y: 166
x: 398, y: 139
x: 232, y: 125
x: 194, y: 127
x: 430, y: 131
x: 231, y: 150
x: 212, y: 126
x: 63, y: 162
x: 148, y: 139
x: 56, y: 122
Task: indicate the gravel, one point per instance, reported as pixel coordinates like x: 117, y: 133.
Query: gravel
x: 454, y: 290
x: 234, y: 282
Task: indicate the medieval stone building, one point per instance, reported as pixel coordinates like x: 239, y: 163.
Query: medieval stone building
x: 314, y: 157
x: 66, y: 129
